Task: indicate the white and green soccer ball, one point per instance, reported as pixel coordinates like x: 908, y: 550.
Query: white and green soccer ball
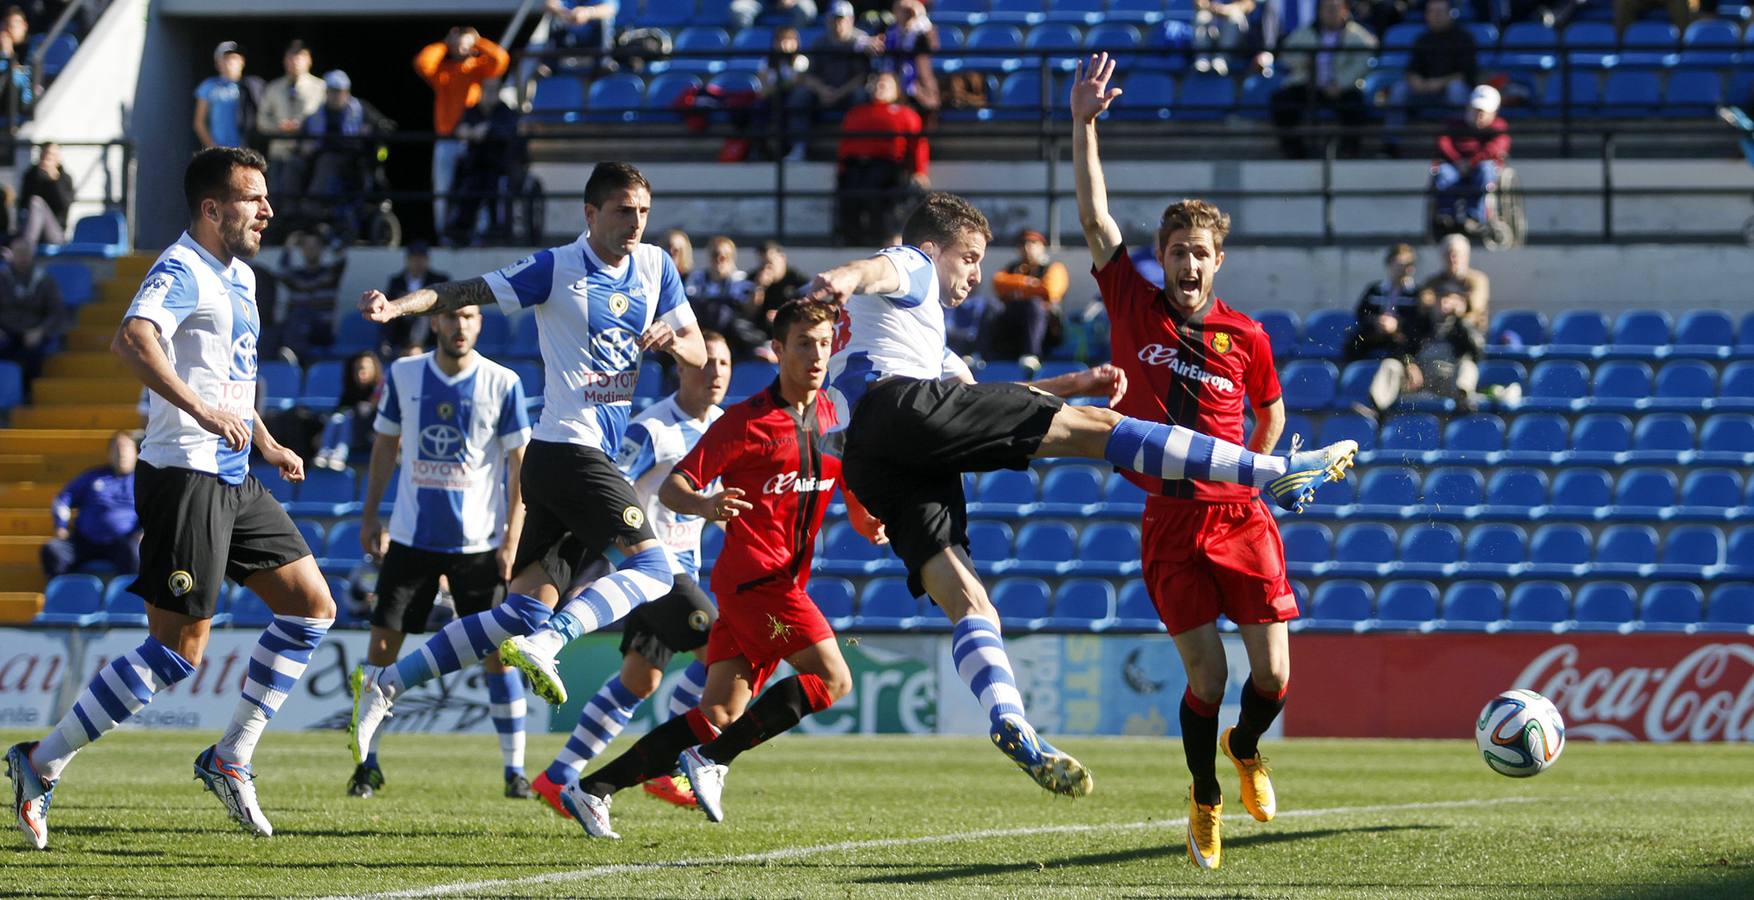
x: 1520, y: 733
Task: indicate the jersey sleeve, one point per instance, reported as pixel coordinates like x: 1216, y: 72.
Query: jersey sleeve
x: 523, y: 284
x: 166, y: 297
x: 955, y: 368
x: 204, y: 90
x: 389, y: 420
x: 673, y: 307
x: 914, y: 271
x: 1261, y: 378
x: 716, y: 451
x: 1120, y: 282
x: 514, y: 418
x: 639, y: 452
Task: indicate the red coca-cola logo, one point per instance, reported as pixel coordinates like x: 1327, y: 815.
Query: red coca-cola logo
x: 1708, y: 695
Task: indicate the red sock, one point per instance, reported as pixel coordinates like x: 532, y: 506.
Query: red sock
x: 815, y: 693
x: 697, y: 723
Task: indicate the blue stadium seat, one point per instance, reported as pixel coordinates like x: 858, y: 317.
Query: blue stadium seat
x: 748, y: 379
x: 1364, y: 549
x: 1341, y: 604
x: 1709, y: 43
x: 1307, y: 546
x: 1134, y: 610
x: 1295, y: 424
x: 1685, y: 384
x: 1071, y: 490
x: 1536, y: 438
x: 1016, y: 12
x: 1557, y: 385
x: 1388, y: 491
x: 1704, y: 332
x: 712, y: 542
x: 1601, y: 438
x: 1147, y: 12
x: 123, y: 608
x: 1579, y: 331
x: 558, y: 98
x: 1530, y: 327
x: 1559, y: 551
x: 1408, y: 436
x: 1020, y: 98
x: 1605, y: 606
x: 1045, y: 548
x: 1000, y: 371
x: 530, y: 376
x: 1642, y: 330
x: 1257, y: 94
x: 887, y: 605
x: 1727, y: 439
x: 1538, y: 606
x: 1578, y: 88
x: 1710, y: 494
x: 1430, y: 551
x: 1515, y: 493
x: 1631, y: 93
x: 1325, y: 332
x: 1333, y: 495
x: 1348, y: 427
x: 1736, y: 391
x: 962, y: 12
x: 324, y: 492
x: 1731, y: 608
x: 1691, y: 551
x: 1008, y: 492
x: 248, y: 610
x: 1450, y: 492
x: 1122, y: 497
x: 1671, y: 606
x: 1087, y: 12
x: 1590, y: 44
x: 322, y: 385
x: 1691, y: 93
x: 846, y: 552
x: 1309, y: 385
x: 341, y: 547
x: 667, y: 14
x: 1582, y: 493
x: 1472, y: 606
x: 1146, y: 95
x: 989, y: 542
x: 994, y: 47
x: 1621, y: 385
x: 75, y: 600
x: 1528, y: 45
x: 1397, y: 42
x: 312, y: 532
x: 662, y: 94
x: 1502, y: 373
x: 834, y: 596
x: 1625, y: 550
x: 708, y: 45
x: 1471, y: 438
x: 1406, y: 605
x: 1662, y: 437
x: 1054, y: 39
x: 1109, y: 549
x: 1117, y: 38
x: 1643, y: 494
x: 1083, y: 604
x: 495, y: 339
x: 1648, y: 43
x: 611, y: 98
x: 1495, y: 551
x: 278, y: 488
x: 279, y: 382
x: 353, y: 334
x: 74, y: 280
x: 1022, y: 602
x: 103, y: 234
x: 1205, y: 97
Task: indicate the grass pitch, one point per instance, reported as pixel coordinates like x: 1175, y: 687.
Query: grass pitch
x: 871, y: 817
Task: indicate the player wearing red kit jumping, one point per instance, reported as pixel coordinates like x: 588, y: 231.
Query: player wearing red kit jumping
x: 769, y: 453
x: 1209, y: 548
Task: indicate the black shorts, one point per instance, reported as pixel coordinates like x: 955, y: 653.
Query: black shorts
x: 408, y: 583
x: 198, y: 530
x: 576, y: 490
x: 909, y: 442
x: 677, y: 622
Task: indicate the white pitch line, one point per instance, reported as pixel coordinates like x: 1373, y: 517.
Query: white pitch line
x: 501, y: 885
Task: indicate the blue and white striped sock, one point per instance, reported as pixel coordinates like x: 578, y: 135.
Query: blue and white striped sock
x: 689, y: 686
x: 979, y: 654
x: 505, y: 698
x: 600, y: 721
x: 642, y: 578
x: 117, y: 691
x: 1173, y: 452
x: 464, y: 642
x: 276, y: 665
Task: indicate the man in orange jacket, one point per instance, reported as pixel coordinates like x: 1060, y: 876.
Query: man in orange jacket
x: 455, y: 67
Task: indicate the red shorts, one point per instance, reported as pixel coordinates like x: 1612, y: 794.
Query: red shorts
x: 1203, y: 559
x: 765, y: 625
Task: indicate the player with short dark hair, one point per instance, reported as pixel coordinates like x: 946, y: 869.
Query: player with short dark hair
x: 772, y: 453
x: 190, y: 337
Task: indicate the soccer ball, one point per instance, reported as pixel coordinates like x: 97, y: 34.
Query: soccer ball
x: 1520, y: 733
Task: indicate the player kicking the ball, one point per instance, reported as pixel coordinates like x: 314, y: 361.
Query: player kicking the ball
x: 770, y: 454
x: 1209, y: 549
x: 917, y: 422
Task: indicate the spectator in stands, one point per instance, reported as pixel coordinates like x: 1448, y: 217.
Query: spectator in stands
x: 1681, y: 12
x: 883, y: 159
x: 908, y: 47
x: 491, y: 174
x: 347, y: 436
x: 338, y: 155
x: 1471, y: 285
x: 782, y: 110
x: 1441, y: 69
x: 32, y: 317
x: 44, y: 198
x: 776, y: 282
x: 455, y: 68
x: 840, y: 62
x: 107, y: 528
x: 723, y: 298
x: 796, y: 13
x: 287, y: 102
x: 582, y: 24
x: 1392, y: 326
x: 226, y: 103
x: 406, y: 336
x: 1470, y: 153
x: 681, y: 249
x: 1447, y: 360
x: 1222, y: 26
x: 1325, y: 63
x: 15, y: 64
x: 1029, y: 291
x: 304, y: 311
x: 968, y: 325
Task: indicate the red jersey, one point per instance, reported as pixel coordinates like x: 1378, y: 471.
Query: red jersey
x: 779, y: 461
x: 1199, y: 371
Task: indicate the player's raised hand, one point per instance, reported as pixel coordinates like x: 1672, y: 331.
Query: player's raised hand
x: 1104, y: 381
x: 374, y: 539
x: 1091, y: 94
x: 376, y: 307
x: 868, y: 526
x: 835, y: 286
x: 725, y: 505
x: 232, y: 430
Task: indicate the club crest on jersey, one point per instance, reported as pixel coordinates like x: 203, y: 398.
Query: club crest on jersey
x: 180, y: 583
x: 445, y: 409
x: 699, y: 620
x: 1221, y: 342
x: 440, y: 442
x: 632, y: 517
x: 618, y: 303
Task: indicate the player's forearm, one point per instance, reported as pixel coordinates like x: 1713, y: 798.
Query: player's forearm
x: 1068, y: 385
x: 876, y: 276
x: 1101, y: 232
x: 444, y: 297
x: 136, y: 344
x: 689, y: 349
x: 1269, y: 427
x: 678, y: 495
x: 514, y: 495
x: 378, y: 471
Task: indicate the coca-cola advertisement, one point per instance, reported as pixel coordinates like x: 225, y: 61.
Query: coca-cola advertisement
x: 1611, y: 687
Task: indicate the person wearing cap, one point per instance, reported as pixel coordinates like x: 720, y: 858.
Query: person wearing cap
x: 226, y: 103
x: 336, y: 153
x: 407, y: 336
x: 840, y: 61
x: 287, y: 102
x: 1469, y: 154
x: 1442, y: 66
x: 1030, y: 289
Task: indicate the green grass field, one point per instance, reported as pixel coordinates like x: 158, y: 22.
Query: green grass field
x: 863, y: 817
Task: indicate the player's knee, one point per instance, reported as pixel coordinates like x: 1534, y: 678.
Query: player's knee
x: 838, y: 681
x: 531, y: 613
x: 639, y: 677
x: 1272, y: 680
x: 719, y: 714
x: 1207, y: 682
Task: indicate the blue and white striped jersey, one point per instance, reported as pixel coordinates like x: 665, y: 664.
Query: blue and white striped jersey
x: 456, y: 431
x: 207, y: 324
x: 895, y: 334
x: 589, y: 319
x: 655, y: 441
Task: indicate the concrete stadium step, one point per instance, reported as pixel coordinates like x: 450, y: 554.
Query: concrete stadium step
x: 22, y: 576
x: 14, y: 549
x: 26, y: 522
x: 85, y: 364
x: 31, y: 494
x: 103, y: 313
x: 87, y: 442
x: 91, y: 338
x: 134, y: 266
x: 17, y: 607
x: 110, y: 417
x: 53, y: 391
x: 39, y: 468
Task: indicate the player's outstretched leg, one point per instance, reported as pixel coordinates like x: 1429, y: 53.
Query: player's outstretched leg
x: 276, y: 665
x: 1173, y: 452
x: 675, y: 788
x: 1241, y: 745
x: 588, y: 797
x: 461, y: 643
x: 116, y: 692
x: 978, y: 651
x: 779, y: 709
x: 644, y: 576
x: 505, y: 697
x: 601, y: 719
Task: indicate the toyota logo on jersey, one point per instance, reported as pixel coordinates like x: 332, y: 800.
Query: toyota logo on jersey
x: 243, y: 356
x: 790, y: 483
x: 616, y: 348
x: 1170, y: 358
x: 441, y: 442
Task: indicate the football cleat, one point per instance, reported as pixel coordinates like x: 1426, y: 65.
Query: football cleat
x: 1057, y: 772
x: 235, y: 786
x: 30, y: 795
x: 1257, y: 787
x: 367, y: 778
x: 371, y: 706
x: 1205, y: 846
x: 522, y: 654
x: 517, y: 787
x: 1306, y: 472
x: 671, y: 789
x: 548, y: 792
x: 591, y: 811
x: 707, y: 779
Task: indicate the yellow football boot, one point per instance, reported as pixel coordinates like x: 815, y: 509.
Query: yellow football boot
x: 1205, y: 846
x: 1257, y: 788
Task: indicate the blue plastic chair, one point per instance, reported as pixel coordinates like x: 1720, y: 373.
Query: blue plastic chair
x: 1496, y: 550
x: 248, y: 610
x: 1709, y: 43
x: 1430, y: 551
x: 1134, y: 611
x: 1113, y: 37
x: 1528, y: 45
x: 1691, y: 93
x: 1071, y: 489
x: 1016, y: 12
x: 1662, y: 437
x: 1045, y: 548
x: 1348, y: 427
x: 1688, y: 381
x: 1406, y: 604
x: 1054, y: 39
x: 1648, y: 43
x: 1341, y: 604
x: 1643, y: 493
x: 1691, y: 551
x: 1325, y: 332
x: 887, y: 605
x: 1147, y: 12
x: 1008, y: 492
x: 1601, y: 437
x: 1536, y: 438
x: 122, y: 607
x: 341, y: 547
x: 1736, y: 390
x: 1606, y: 606
x: 611, y: 98
x: 1580, y: 329
x: 1625, y: 550
x: 834, y: 596
x: 1642, y: 328
x: 989, y: 543
x: 103, y: 234
x: 279, y: 382
x: 1590, y: 44
x: 76, y: 600
x: 1307, y: 545
x: 846, y: 552
x: 1671, y: 606
x: 74, y: 280
x: 1077, y: 11
x: 1451, y: 491
x: 711, y: 46
x: 1731, y: 608
x: 1710, y: 493
x: 322, y: 385
x: 1122, y: 497
x: 1206, y: 97
x: 1363, y: 549
x: 1621, y: 384
x: 558, y: 98
x: 1146, y: 95
x: 1538, y: 606
x: 1109, y: 549
x: 1515, y: 492
x: 1409, y: 435
x: 1529, y: 326
x: 1557, y: 384
x: 1582, y: 493
x: 1704, y: 331
x: 1021, y: 602
x: 1083, y: 604
x: 1470, y: 437
x: 324, y: 492
x: 666, y: 14
x: 1727, y: 439
x: 998, y: 46
x: 1388, y: 491
x: 1472, y: 606
x: 1631, y: 93
x: 1559, y: 551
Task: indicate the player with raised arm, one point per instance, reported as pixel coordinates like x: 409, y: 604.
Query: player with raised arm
x: 773, y: 454
x: 190, y: 337
x: 457, y: 515
x: 599, y: 303
x: 1208, y: 549
x: 916, y: 422
x: 678, y: 622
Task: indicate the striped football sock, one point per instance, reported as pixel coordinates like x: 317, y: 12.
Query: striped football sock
x: 464, y: 642
x: 600, y: 721
x: 505, y: 697
x: 642, y: 578
x: 689, y: 686
x: 117, y: 691
x: 276, y: 665
x: 1173, y: 452
x: 979, y: 654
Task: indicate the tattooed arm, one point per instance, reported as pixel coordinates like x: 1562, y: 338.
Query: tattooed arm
x: 439, y: 298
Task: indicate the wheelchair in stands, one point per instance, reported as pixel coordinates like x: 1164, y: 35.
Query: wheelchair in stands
x: 1506, y: 225
x: 347, y: 188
